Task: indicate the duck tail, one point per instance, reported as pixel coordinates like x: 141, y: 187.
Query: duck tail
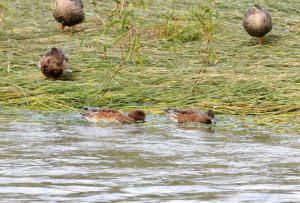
x: 58, y: 54
x: 91, y: 109
x: 55, y: 51
x: 164, y: 110
x: 86, y: 115
x: 170, y: 111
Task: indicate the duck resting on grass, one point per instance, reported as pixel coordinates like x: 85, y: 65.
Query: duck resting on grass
x: 54, y: 64
x: 68, y: 12
x: 257, y: 22
x: 190, y: 115
x: 112, y: 115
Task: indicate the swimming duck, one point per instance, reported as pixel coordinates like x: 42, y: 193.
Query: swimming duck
x: 112, y: 115
x: 190, y: 115
x: 257, y: 22
x: 54, y: 63
x: 68, y: 12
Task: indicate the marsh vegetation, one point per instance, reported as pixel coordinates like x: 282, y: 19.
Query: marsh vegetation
x: 151, y: 54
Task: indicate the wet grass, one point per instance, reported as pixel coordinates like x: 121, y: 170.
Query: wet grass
x: 263, y: 82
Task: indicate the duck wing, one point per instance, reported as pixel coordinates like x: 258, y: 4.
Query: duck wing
x: 190, y: 115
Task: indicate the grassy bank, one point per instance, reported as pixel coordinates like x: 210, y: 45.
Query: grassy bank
x: 247, y: 80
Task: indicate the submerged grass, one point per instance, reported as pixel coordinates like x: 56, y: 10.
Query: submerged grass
x: 247, y: 80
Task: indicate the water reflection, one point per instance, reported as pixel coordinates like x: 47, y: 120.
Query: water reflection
x: 58, y: 157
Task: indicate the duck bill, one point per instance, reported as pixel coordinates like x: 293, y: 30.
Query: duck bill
x: 213, y: 121
x: 140, y: 121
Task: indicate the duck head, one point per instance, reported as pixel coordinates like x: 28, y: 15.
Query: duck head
x: 138, y: 115
x: 211, y: 116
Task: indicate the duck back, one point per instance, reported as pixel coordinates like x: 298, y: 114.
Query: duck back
x: 257, y: 22
x: 54, y: 63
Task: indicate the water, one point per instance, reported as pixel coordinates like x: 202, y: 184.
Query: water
x: 54, y: 157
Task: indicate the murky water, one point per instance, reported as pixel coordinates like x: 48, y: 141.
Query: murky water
x: 60, y: 158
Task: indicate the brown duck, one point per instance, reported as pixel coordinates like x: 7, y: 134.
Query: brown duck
x: 190, y: 115
x: 257, y: 22
x: 68, y: 12
x: 112, y: 115
x: 54, y: 63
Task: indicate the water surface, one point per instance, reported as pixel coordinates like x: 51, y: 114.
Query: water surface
x: 57, y: 157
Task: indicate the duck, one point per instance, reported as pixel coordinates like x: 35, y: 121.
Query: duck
x: 187, y: 115
x: 54, y: 64
x: 257, y: 22
x: 68, y: 12
x: 112, y: 115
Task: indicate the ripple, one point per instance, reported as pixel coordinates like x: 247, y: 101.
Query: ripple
x: 46, y: 158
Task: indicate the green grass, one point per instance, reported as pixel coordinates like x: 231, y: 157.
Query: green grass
x: 247, y: 80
